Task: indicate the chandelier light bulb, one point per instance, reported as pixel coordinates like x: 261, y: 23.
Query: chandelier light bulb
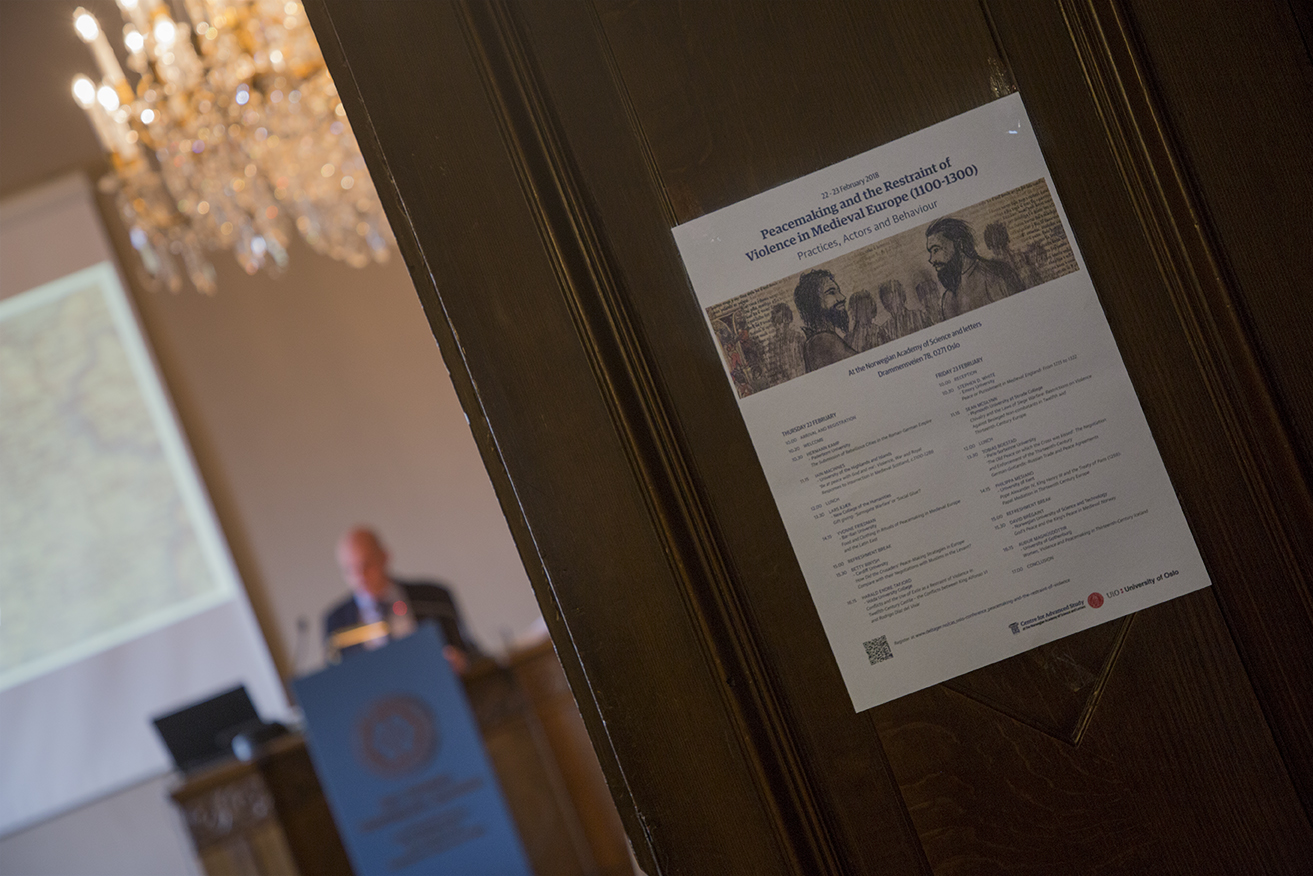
x: 85, y: 24
x: 165, y: 31
x: 84, y: 91
x: 244, y: 138
x: 107, y: 98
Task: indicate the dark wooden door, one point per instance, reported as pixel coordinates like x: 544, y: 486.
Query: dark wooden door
x: 533, y: 157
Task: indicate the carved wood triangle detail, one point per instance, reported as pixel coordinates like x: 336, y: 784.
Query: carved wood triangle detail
x: 1053, y: 688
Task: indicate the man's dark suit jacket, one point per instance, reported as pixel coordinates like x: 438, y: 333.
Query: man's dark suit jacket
x: 430, y: 602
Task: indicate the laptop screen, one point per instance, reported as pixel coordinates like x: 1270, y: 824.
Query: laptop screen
x: 202, y: 732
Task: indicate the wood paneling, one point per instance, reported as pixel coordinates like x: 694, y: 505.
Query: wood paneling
x: 1194, y: 366
x: 538, y: 673
x: 1242, y: 131
x: 467, y: 207
x: 533, y: 158
x: 1053, y: 688
x: 266, y: 816
x: 1175, y: 773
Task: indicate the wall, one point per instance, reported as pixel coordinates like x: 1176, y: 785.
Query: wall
x: 310, y: 402
x: 313, y: 401
x: 137, y: 832
x: 309, y: 399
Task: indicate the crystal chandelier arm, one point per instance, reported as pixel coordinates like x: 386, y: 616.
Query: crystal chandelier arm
x: 232, y: 135
x: 88, y: 28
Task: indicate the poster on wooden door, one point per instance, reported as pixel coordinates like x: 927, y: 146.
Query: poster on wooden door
x: 939, y: 406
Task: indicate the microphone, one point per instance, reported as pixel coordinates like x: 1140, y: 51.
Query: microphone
x: 298, y: 651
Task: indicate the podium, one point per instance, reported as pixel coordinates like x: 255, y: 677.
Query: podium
x: 269, y: 816
x: 264, y: 816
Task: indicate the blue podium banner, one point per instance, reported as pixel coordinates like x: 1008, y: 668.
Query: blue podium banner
x: 402, y: 765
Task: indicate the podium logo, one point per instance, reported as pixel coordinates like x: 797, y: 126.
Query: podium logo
x: 396, y: 735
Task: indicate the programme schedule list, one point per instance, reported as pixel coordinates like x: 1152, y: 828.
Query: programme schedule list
x: 963, y: 469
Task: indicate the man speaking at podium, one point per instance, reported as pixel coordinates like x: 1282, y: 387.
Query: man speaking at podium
x: 378, y: 598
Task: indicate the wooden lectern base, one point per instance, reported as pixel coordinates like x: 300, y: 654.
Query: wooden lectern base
x: 268, y: 817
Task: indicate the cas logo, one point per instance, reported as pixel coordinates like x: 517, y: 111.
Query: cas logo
x: 396, y: 735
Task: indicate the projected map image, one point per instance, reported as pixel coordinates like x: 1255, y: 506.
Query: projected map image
x: 97, y: 542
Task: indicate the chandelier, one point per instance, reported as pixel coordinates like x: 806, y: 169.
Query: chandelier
x: 231, y: 136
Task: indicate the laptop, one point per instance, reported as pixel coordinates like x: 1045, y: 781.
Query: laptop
x: 203, y: 732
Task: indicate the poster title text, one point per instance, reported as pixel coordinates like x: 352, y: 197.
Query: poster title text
x: 890, y: 199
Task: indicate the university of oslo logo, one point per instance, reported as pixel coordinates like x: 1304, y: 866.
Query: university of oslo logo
x: 396, y: 735
x: 1095, y: 599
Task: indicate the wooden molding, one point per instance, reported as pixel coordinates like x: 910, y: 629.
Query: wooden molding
x: 1199, y: 286
x: 642, y: 416
x: 1192, y: 269
x: 615, y: 368
x: 454, y: 356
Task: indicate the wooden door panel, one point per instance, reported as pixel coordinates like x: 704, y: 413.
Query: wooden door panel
x: 1053, y: 688
x: 1173, y: 775
x: 831, y: 756
x: 741, y: 97
x: 989, y: 797
x: 704, y: 84
x: 496, y: 290
x: 533, y: 198
x: 1244, y: 133
x: 1177, y: 325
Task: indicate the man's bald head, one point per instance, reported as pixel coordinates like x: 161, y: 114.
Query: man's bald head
x: 364, y: 561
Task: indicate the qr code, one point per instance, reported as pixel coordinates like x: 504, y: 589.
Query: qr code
x: 878, y: 649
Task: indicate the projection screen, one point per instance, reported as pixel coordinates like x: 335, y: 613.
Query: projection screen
x: 119, y: 600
